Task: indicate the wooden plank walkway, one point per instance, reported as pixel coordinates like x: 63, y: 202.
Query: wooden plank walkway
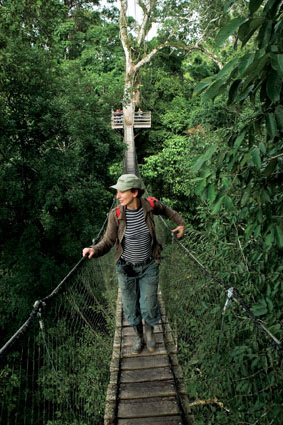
x: 145, y: 389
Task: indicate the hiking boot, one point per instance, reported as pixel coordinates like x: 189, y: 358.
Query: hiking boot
x: 138, y: 342
x: 150, y: 339
x: 137, y: 345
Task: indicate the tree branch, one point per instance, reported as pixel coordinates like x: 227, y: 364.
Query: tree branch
x: 180, y: 46
x: 207, y: 402
x: 147, y: 58
x: 123, y: 30
x: 210, y: 55
x: 147, y: 7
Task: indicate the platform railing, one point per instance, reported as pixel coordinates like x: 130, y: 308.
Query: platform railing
x: 141, y: 119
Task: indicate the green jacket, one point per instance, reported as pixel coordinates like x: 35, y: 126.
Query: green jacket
x: 116, y: 229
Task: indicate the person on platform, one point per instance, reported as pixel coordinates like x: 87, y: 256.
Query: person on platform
x: 138, y: 254
x: 118, y: 116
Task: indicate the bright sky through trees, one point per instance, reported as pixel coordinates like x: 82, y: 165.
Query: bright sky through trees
x: 135, y: 11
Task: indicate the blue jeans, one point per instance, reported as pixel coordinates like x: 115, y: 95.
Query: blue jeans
x: 139, y: 293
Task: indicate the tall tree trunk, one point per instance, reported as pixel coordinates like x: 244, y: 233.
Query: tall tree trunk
x: 128, y: 99
x: 129, y: 114
x: 134, y: 60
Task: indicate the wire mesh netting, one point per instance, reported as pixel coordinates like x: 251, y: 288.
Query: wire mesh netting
x: 233, y: 375
x: 58, y: 373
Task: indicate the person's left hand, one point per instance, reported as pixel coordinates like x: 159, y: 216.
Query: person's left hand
x: 179, y: 230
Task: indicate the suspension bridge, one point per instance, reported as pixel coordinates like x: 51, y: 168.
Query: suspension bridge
x: 70, y: 363
x: 148, y: 388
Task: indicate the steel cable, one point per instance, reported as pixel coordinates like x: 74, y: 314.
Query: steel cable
x: 235, y: 294
x: 42, y: 303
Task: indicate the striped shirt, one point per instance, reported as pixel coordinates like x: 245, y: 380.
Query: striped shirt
x: 137, y: 240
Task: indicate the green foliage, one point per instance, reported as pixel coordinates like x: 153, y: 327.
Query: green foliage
x: 223, y: 357
x: 197, y: 67
x: 59, y: 372
x: 217, y: 159
x: 56, y: 147
x: 178, y: 109
x: 167, y: 173
x: 229, y: 29
x: 239, y: 186
x: 83, y: 367
x: 252, y: 159
x: 227, y: 182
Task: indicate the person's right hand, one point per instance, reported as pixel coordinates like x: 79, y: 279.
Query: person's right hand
x: 89, y: 252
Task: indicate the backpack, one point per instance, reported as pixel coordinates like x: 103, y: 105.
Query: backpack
x: 151, y: 200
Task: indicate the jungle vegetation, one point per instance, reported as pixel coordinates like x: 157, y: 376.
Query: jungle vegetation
x: 214, y: 152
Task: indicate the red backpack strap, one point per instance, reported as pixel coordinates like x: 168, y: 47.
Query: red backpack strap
x: 151, y: 200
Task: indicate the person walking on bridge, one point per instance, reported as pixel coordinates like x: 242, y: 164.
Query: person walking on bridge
x: 138, y: 254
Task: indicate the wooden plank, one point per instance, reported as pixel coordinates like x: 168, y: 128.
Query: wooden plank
x: 146, y: 392
x: 127, y: 323
x: 160, y: 349
x: 129, y: 340
x: 157, y: 406
x: 139, y: 362
x: 144, y: 375
x: 147, y: 389
x: 129, y: 330
x: 160, y: 420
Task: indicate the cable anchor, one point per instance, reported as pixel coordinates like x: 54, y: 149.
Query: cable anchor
x: 38, y: 306
x: 228, y: 299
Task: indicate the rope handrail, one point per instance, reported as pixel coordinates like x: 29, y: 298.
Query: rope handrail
x: 42, y: 303
x: 233, y: 294
x: 54, y: 368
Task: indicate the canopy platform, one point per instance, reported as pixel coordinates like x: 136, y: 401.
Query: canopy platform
x: 141, y: 120
x: 145, y: 389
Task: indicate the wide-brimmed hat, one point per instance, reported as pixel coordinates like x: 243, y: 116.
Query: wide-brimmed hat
x: 128, y: 181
